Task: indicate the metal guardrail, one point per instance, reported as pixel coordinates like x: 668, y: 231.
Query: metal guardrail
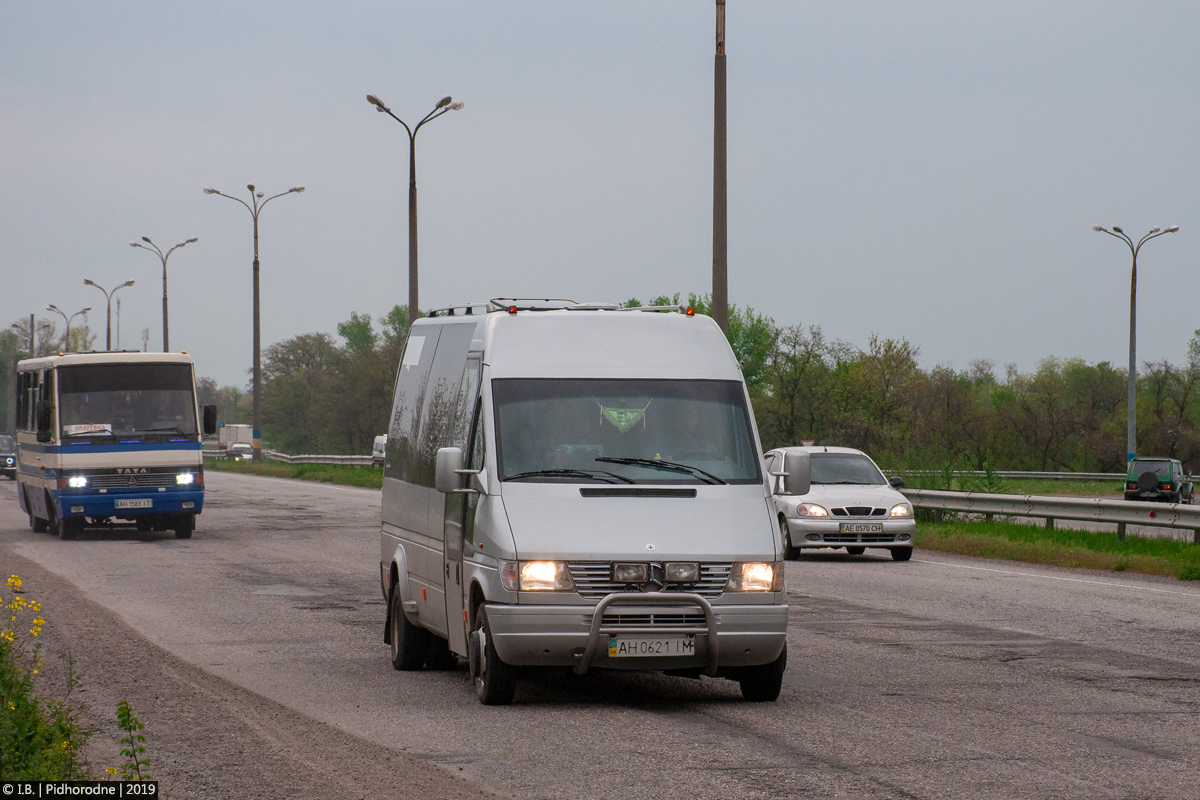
x: 1008, y: 473
x: 1050, y: 508
x: 307, y: 458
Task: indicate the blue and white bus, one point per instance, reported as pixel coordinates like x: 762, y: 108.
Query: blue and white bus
x: 110, y: 439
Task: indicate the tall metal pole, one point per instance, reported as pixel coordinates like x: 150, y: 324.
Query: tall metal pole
x: 1131, y: 384
x: 720, y: 283
x: 108, y: 303
x: 163, y: 257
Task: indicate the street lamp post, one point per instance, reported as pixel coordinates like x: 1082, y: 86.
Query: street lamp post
x: 255, y: 208
x: 447, y: 103
x: 1131, y: 421
x: 153, y: 248
x: 67, y: 320
x: 720, y: 291
x: 108, y: 300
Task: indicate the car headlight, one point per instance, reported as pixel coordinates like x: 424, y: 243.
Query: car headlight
x: 77, y: 482
x: 536, y: 576
x: 901, y: 510
x: 185, y: 479
x: 755, y: 576
x: 811, y: 510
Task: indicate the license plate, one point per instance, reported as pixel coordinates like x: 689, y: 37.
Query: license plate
x: 120, y: 504
x: 650, y: 646
x: 860, y: 527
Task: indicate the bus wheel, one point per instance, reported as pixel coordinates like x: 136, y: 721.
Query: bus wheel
x: 495, y: 682
x: 184, y: 526
x: 69, y: 529
x: 38, y: 524
x: 410, y: 642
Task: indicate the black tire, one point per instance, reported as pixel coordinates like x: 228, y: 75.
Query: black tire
x: 856, y: 551
x: 901, y: 553
x: 789, y: 552
x: 495, y: 682
x: 409, y: 642
x: 38, y: 524
x: 762, y: 684
x: 184, y: 526
x: 69, y: 528
x: 1148, y: 481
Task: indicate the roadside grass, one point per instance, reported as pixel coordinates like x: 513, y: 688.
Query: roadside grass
x: 1062, y: 547
x: 366, y: 477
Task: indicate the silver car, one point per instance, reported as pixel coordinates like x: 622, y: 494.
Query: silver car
x: 849, y: 504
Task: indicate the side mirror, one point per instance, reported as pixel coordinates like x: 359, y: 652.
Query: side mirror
x: 447, y: 476
x: 797, y: 478
x: 210, y: 420
x: 896, y: 481
x: 44, y: 416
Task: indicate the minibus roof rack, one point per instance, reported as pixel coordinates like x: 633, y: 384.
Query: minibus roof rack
x: 529, y: 304
x: 462, y: 311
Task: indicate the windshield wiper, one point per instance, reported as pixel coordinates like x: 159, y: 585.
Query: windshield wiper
x: 668, y: 465
x: 170, y: 429
x: 595, y: 474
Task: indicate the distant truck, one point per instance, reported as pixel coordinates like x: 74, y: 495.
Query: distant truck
x: 234, y: 434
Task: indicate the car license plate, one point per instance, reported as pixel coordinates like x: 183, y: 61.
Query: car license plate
x: 860, y: 527
x: 120, y: 504
x: 651, y: 646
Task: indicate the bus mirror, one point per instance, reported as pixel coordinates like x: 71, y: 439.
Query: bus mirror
x: 210, y: 420
x: 797, y: 473
x: 447, y: 478
x: 43, y: 421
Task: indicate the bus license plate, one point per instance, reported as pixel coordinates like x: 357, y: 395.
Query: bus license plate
x: 120, y: 504
x: 651, y: 646
x: 860, y: 527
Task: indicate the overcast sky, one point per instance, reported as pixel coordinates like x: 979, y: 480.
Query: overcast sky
x: 927, y: 170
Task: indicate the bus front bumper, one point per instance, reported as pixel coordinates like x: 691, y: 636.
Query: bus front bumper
x: 128, y: 504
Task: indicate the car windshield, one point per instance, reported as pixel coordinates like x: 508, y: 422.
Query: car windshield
x: 115, y: 400
x: 6, y: 444
x: 846, y: 468
x: 624, y: 431
x: 1161, y: 468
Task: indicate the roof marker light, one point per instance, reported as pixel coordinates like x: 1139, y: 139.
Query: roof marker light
x: 512, y: 309
x: 691, y: 312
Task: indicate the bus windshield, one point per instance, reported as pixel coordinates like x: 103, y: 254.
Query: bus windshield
x: 624, y: 431
x: 115, y: 400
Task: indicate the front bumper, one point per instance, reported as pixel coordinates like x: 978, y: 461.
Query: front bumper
x: 745, y: 635
x: 91, y: 503
x: 826, y: 532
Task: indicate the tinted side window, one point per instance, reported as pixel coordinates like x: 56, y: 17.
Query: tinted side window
x: 411, y: 379
x: 438, y: 421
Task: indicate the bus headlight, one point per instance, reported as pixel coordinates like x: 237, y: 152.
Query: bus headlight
x: 185, y: 479
x: 77, y: 482
x: 901, y: 510
x: 755, y: 576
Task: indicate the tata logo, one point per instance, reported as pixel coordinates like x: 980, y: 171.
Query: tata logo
x: 131, y: 470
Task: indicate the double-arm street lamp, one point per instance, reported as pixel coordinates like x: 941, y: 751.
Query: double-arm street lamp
x: 108, y: 300
x: 447, y: 103
x: 255, y: 207
x: 153, y: 248
x: 1117, y: 233
x: 67, y: 335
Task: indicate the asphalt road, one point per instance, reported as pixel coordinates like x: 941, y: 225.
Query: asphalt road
x: 940, y: 677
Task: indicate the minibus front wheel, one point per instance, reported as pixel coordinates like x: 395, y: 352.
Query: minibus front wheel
x: 495, y: 682
x: 762, y: 684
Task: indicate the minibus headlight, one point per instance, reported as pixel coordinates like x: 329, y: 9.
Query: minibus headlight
x: 901, y: 510
x: 811, y: 510
x: 77, y: 482
x: 755, y: 576
x: 631, y: 573
x: 683, y: 572
x: 185, y: 479
x: 545, y: 576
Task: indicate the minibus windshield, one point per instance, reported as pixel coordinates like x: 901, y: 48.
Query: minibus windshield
x: 624, y: 431
x: 123, y: 400
x: 845, y: 468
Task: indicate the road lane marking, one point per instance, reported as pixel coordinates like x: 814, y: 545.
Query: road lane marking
x: 1058, y: 578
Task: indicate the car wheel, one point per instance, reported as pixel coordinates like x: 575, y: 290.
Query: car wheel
x: 409, y: 642
x: 856, y: 551
x: 495, y: 682
x: 901, y: 553
x: 184, y: 525
x: 762, y: 684
x: 789, y: 552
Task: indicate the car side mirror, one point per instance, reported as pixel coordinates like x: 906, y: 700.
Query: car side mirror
x: 210, y: 420
x: 896, y: 481
x: 44, y: 416
x: 797, y: 473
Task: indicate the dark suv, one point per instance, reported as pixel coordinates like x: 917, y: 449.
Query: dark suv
x: 1158, y: 479
x: 8, y: 457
